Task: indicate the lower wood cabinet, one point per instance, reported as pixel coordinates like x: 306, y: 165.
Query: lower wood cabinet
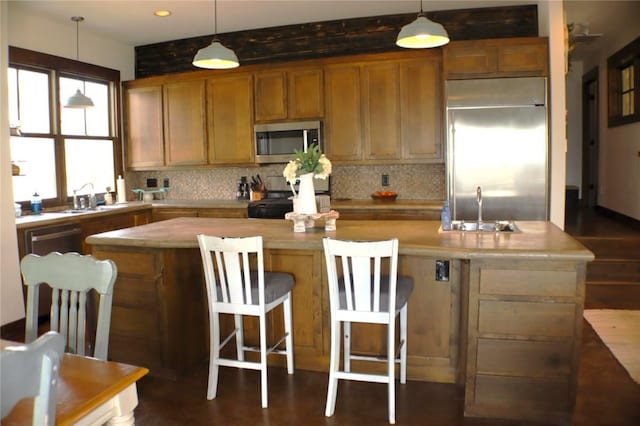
x: 111, y: 223
x: 524, y: 333
x: 160, y: 313
x: 388, y: 214
x: 165, y: 213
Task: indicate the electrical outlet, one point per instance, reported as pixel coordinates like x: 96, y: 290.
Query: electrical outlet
x: 152, y: 183
x: 165, y: 182
x: 385, y: 180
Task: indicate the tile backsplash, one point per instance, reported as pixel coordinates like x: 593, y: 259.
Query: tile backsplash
x: 410, y: 181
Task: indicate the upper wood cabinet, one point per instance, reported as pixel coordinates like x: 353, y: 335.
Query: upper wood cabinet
x: 230, y: 120
x: 343, y: 113
x: 384, y: 111
x: 184, y: 123
x: 516, y: 57
x: 144, y: 127
x: 288, y: 94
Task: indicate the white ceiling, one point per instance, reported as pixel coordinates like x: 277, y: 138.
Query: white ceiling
x: 133, y: 22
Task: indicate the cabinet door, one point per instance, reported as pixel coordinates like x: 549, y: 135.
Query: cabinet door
x: 305, y: 93
x: 529, y: 57
x: 143, y: 127
x: 471, y: 58
x: 185, y: 132
x: 271, y: 96
x: 343, y: 112
x: 420, y: 101
x: 381, y: 111
x: 230, y: 124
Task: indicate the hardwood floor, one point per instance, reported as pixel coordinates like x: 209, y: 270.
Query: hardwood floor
x: 606, y: 394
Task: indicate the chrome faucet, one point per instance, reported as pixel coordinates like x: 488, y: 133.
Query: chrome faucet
x: 92, y: 198
x: 479, y: 199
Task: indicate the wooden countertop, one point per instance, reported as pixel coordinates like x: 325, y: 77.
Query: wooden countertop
x: 538, y: 240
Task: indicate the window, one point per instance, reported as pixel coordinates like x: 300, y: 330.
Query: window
x: 61, y: 149
x: 624, y: 92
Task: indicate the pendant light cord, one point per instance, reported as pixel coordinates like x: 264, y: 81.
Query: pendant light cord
x: 77, y: 20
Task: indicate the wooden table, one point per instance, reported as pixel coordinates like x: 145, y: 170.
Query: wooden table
x: 89, y: 392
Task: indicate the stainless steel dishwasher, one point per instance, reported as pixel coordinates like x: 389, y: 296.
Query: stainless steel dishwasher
x: 60, y: 238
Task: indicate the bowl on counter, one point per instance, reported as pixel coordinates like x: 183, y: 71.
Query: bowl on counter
x: 384, y: 195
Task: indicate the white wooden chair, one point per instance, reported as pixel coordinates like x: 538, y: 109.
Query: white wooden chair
x: 233, y: 288
x: 362, y: 293
x: 31, y: 371
x: 71, y: 276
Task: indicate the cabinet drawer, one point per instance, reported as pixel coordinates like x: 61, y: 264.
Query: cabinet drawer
x: 522, y: 393
x: 524, y: 358
x: 527, y: 318
x: 136, y: 263
x: 531, y: 283
x: 135, y: 292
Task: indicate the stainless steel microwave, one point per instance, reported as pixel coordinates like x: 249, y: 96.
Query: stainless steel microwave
x: 278, y: 142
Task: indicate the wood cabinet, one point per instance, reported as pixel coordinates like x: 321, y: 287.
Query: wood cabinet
x: 143, y: 123
x: 291, y: 94
x: 516, y: 57
x: 384, y: 111
x: 184, y: 123
x: 525, y: 318
x: 389, y: 214
x: 165, y: 213
x: 97, y: 225
x: 230, y: 119
x: 343, y: 113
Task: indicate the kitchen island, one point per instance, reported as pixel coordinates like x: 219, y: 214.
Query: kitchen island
x: 500, y: 314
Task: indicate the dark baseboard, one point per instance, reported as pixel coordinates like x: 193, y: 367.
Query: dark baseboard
x: 634, y: 223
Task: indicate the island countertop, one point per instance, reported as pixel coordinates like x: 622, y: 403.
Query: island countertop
x: 541, y: 240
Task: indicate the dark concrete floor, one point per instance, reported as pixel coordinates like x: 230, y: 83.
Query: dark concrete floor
x: 606, y: 393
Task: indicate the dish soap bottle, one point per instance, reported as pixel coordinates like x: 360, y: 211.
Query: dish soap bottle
x: 36, y: 203
x: 445, y: 217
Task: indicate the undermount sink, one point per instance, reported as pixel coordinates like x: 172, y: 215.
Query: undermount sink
x: 495, y: 226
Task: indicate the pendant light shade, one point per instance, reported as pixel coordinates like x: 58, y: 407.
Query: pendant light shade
x: 78, y: 99
x: 422, y: 33
x: 215, y: 56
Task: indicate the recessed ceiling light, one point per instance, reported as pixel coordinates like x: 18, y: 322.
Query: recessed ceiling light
x: 162, y: 13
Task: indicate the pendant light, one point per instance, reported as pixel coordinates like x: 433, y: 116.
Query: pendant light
x: 78, y: 100
x: 215, y: 56
x: 422, y: 33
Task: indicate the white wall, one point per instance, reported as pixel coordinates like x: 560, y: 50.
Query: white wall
x: 11, y: 302
x: 619, y: 154
x: 574, y: 125
x: 43, y: 34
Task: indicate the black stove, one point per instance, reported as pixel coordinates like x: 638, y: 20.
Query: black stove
x: 270, y: 208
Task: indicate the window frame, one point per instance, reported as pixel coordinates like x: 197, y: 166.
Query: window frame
x: 57, y: 67
x: 628, y: 55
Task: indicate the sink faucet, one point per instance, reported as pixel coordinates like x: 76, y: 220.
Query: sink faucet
x: 479, y: 199
x: 92, y: 197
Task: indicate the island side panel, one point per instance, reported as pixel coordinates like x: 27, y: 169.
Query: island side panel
x: 159, y: 316
x: 524, y: 333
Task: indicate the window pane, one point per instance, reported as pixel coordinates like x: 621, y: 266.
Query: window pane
x: 33, y: 101
x: 92, y: 121
x: 89, y: 161
x: 627, y: 104
x: 98, y: 116
x: 36, y: 159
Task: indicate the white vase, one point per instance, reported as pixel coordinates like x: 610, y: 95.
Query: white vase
x: 304, y: 201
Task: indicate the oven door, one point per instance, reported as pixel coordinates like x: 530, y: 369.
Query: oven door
x: 274, y: 208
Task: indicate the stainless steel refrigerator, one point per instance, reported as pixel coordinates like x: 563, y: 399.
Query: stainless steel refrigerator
x: 497, y: 140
